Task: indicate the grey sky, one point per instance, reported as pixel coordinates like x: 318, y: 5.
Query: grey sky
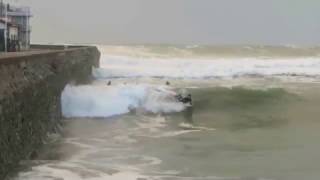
x: 176, y: 21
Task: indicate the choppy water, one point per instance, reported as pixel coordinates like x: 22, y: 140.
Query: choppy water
x: 247, y: 126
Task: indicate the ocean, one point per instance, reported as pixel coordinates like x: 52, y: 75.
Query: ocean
x: 255, y: 116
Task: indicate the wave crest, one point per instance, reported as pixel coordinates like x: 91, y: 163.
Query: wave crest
x: 106, y: 101
x: 128, y: 67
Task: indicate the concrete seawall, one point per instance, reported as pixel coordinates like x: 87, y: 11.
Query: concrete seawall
x: 30, y: 87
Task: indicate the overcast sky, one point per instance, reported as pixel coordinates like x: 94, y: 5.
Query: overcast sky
x: 176, y: 21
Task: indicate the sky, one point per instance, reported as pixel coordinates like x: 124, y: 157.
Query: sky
x: 273, y: 22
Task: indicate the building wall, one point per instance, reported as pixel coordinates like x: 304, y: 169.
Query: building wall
x: 13, y: 33
x: 24, y: 30
x: 2, y: 25
x: 21, y: 16
x: 2, y: 48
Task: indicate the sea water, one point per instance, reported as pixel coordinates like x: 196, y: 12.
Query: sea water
x: 255, y: 116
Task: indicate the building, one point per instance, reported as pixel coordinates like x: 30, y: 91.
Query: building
x: 2, y: 35
x: 15, y: 29
x: 20, y: 16
x: 13, y: 32
x: 12, y: 39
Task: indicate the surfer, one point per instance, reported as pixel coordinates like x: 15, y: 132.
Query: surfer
x: 109, y: 83
x: 185, y: 100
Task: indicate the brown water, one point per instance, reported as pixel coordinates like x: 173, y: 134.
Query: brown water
x: 256, y: 131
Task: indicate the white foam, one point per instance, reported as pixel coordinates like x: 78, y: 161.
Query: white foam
x: 192, y: 127
x: 105, y: 101
x: 45, y: 172
x: 155, y: 127
x: 151, y: 124
x: 126, y: 66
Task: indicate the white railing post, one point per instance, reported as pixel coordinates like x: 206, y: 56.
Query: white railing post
x: 6, y: 29
x: 28, y: 29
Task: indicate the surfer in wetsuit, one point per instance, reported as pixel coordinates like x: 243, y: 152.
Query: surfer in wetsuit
x: 185, y: 100
x: 188, y: 113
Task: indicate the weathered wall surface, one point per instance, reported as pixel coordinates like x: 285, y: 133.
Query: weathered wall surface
x: 30, y: 89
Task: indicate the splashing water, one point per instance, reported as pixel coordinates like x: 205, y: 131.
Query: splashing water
x: 105, y: 101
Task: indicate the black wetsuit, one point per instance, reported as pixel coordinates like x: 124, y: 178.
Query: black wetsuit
x: 184, y: 100
x: 188, y: 113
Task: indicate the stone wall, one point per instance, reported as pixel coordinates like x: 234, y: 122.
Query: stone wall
x: 30, y: 89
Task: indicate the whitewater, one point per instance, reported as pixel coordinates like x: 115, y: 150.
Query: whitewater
x: 132, y: 67
x: 105, y: 101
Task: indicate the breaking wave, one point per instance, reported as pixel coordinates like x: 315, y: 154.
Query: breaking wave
x: 106, y: 101
x: 114, y: 66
